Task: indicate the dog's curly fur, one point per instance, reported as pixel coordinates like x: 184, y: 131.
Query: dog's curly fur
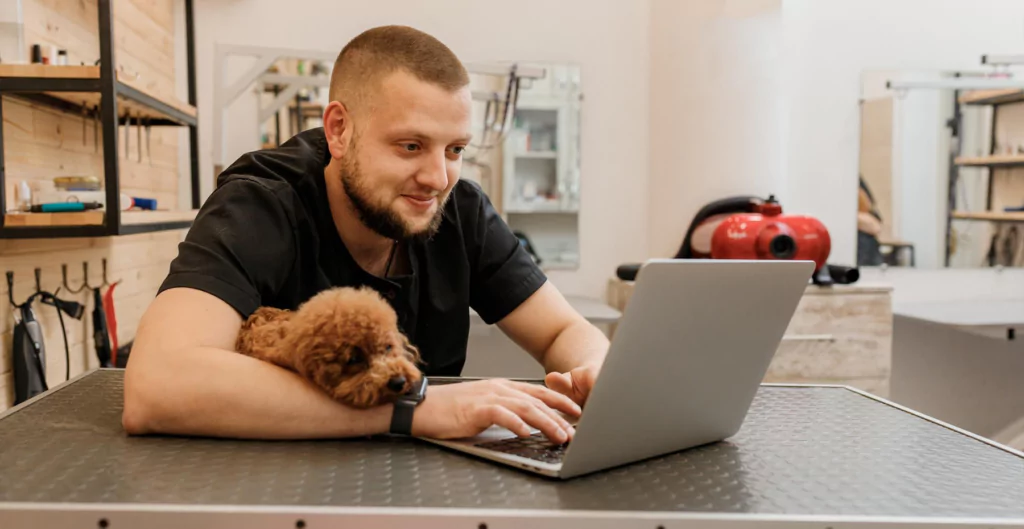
x: 344, y: 340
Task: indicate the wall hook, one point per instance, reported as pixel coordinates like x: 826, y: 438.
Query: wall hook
x: 107, y: 283
x: 10, y: 288
x: 85, y: 278
x: 38, y: 273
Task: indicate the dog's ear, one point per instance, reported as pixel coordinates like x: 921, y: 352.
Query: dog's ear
x: 411, y: 349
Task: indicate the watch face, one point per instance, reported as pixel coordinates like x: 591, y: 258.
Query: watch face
x: 418, y: 391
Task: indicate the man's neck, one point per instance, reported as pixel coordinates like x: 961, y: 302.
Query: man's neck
x: 369, y: 249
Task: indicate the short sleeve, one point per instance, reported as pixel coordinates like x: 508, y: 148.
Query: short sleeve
x: 503, y: 274
x: 241, y: 247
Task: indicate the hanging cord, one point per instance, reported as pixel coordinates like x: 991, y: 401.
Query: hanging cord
x: 58, y: 305
x: 64, y: 333
x: 391, y: 257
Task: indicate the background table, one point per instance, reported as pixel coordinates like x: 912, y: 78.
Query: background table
x: 962, y: 362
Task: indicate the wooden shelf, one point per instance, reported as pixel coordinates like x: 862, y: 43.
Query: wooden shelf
x: 991, y: 216
x: 49, y: 71
x: 543, y: 155
x: 546, y: 206
x: 151, y: 217
x: 136, y: 221
x: 1001, y: 160
x: 992, y: 97
x: 76, y: 88
x: 73, y: 218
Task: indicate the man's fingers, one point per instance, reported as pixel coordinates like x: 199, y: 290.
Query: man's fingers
x: 576, y: 383
x: 559, y: 382
x: 534, y: 394
x: 533, y: 416
x: 544, y: 408
x: 553, y: 397
x: 502, y: 416
x: 582, y: 381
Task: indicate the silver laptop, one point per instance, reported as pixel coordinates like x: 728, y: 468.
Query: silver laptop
x: 685, y: 362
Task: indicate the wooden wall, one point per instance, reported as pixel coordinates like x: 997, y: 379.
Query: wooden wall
x: 40, y: 143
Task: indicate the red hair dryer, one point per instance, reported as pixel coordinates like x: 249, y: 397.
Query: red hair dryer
x: 749, y: 227
x: 768, y: 234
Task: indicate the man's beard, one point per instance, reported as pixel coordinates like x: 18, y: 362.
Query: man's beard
x: 382, y: 220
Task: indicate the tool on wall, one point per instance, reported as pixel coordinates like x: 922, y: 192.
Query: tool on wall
x: 29, y: 348
x: 110, y: 316
x: 138, y: 135
x: 104, y: 322
x: 127, y: 134
x: 85, y: 119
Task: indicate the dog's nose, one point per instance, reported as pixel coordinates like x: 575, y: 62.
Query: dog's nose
x: 396, y: 384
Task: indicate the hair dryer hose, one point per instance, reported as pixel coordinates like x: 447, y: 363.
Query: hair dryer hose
x: 844, y: 275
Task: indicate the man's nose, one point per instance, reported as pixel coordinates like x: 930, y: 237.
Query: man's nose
x: 434, y: 173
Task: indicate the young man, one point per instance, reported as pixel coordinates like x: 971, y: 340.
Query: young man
x: 373, y: 198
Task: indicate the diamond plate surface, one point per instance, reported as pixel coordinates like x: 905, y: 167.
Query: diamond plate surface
x: 802, y: 451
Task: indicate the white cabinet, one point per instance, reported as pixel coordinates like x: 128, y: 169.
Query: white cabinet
x: 541, y: 167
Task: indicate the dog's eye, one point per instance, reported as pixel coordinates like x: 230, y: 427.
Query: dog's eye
x: 355, y: 357
x: 388, y: 348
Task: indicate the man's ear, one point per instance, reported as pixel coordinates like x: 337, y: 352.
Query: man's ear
x: 338, y: 128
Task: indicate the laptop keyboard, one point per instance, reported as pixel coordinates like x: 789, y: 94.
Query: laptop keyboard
x: 536, y: 447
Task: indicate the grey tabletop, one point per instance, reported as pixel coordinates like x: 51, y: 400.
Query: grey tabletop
x: 995, y: 312
x: 801, y: 451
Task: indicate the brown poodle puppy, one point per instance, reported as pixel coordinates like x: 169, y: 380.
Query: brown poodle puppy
x: 344, y: 340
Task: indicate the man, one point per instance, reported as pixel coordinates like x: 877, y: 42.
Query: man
x: 373, y: 198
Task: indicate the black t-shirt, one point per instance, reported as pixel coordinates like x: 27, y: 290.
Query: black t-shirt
x: 266, y: 237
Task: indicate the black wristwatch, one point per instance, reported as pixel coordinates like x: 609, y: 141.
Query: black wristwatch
x: 401, y: 417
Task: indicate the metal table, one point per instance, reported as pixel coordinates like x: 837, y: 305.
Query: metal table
x: 807, y: 456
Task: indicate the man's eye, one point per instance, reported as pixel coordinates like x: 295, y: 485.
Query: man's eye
x: 411, y: 147
x: 458, y: 150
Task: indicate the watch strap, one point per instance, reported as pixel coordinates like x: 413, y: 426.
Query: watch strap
x: 401, y: 417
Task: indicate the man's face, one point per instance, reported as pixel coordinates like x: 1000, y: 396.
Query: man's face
x: 406, y: 156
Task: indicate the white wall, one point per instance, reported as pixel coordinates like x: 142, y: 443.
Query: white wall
x: 920, y: 175
x: 607, y: 38
x: 715, y: 109
x: 828, y: 44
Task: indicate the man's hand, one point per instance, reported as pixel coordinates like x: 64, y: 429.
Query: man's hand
x: 468, y: 408
x: 575, y: 384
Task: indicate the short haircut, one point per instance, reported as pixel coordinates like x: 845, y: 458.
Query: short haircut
x: 374, y: 54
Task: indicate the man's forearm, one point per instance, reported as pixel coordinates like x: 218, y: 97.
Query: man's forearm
x: 213, y: 392
x: 577, y: 345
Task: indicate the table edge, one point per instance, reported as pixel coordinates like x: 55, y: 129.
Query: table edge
x: 35, y: 511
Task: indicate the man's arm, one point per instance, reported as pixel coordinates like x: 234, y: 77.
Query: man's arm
x: 185, y: 378
x: 561, y: 339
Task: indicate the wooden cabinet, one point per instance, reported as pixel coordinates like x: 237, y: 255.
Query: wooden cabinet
x: 838, y: 335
